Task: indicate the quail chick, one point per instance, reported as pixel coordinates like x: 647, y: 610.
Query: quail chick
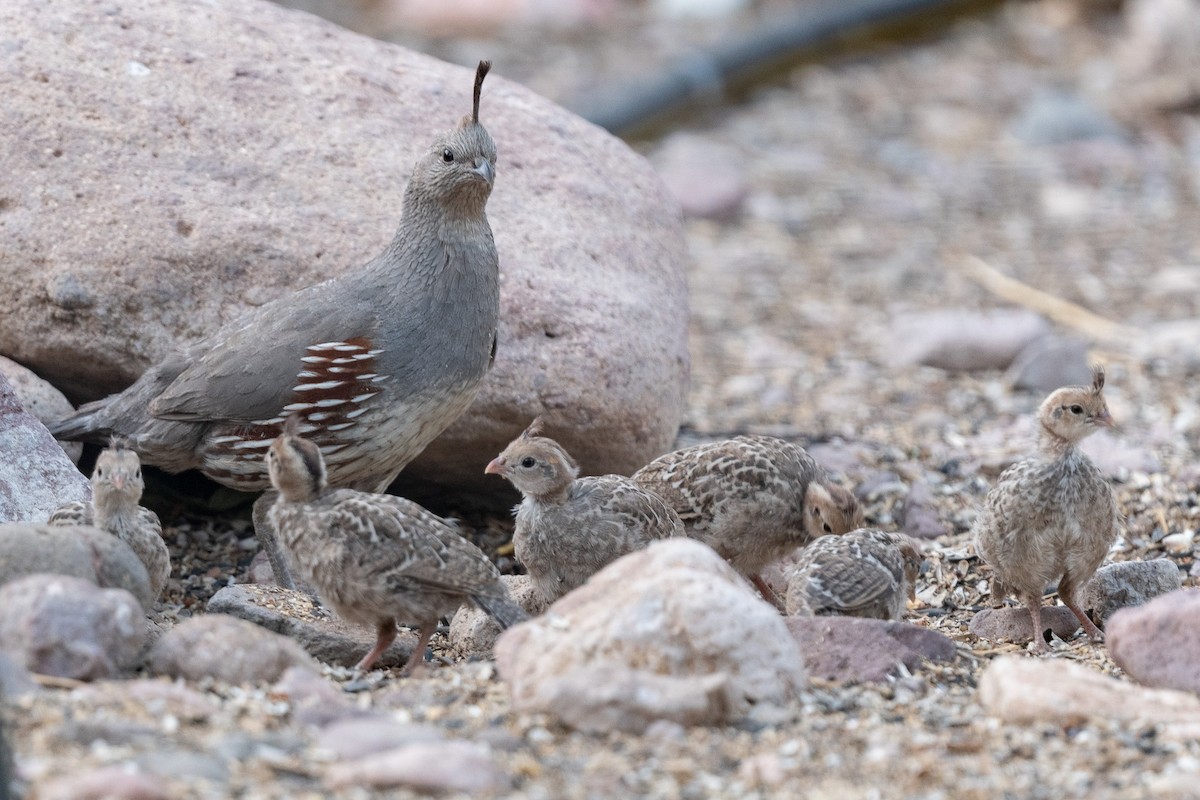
x: 568, y: 528
x: 753, y: 499
x: 116, y: 489
x: 375, y: 558
x: 1052, y: 517
x: 378, y: 361
x: 864, y: 573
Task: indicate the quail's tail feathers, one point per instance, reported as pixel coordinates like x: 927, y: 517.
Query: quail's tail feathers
x: 502, y: 609
x: 86, y: 425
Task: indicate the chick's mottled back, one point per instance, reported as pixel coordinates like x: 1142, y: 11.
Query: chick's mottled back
x: 568, y: 528
x: 864, y: 573
x: 1052, y: 517
x: 753, y: 499
x: 377, y: 559
x: 117, y: 487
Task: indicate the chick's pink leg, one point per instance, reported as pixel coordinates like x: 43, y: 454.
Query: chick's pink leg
x: 385, y: 634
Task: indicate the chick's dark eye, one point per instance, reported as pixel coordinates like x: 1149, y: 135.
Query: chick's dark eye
x: 527, y: 462
x: 1076, y: 409
x: 447, y: 155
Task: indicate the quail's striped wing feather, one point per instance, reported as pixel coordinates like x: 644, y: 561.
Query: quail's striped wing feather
x: 76, y: 513
x: 248, y: 370
x: 699, y: 482
x: 854, y: 572
x: 409, y: 548
x: 614, y: 508
x: 149, y: 520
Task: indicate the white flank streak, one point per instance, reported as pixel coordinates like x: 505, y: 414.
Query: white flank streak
x: 366, y: 376
x: 307, y: 373
x: 340, y: 370
x: 362, y: 398
x: 330, y: 402
x: 373, y: 353
x: 252, y: 444
x: 333, y: 448
x: 290, y: 407
x: 341, y: 426
x: 272, y: 421
x: 349, y: 360
x: 346, y: 348
x: 314, y: 359
x: 378, y: 378
x: 327, y: 346
x: 318, y: 416
x: 358, y: 412
x: 225, y: 439
x: 310, y: 387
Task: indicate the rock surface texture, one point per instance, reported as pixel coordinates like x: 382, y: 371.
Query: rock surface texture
x: 670, y: 632
x: 856, y: 650
x: 123, y: 246
x: 1128, y: 583
x: 40, y: 399
x: 36, y: 476
x: 1156, y: 643
x: 225, y: 648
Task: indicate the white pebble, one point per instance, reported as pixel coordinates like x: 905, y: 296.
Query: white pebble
x: 1179, y: 543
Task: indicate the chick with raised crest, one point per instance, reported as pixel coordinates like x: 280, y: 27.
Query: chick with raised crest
x: 1053, y: 516
x: 568, y: 528
x: 753, y: 499
x: 376, y: 559
x: 863, y: 573
x: 117, y: 487
x: 377, y: 362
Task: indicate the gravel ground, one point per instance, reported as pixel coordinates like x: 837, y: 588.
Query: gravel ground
x: 869, y: 182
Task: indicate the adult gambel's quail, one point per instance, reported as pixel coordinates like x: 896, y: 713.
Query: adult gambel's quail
x: 753, y: 499
x: 1053, y: 516
x: 116, y: 489
x: 375, y: 558
x: 569, y: 528
x: 864, y: 573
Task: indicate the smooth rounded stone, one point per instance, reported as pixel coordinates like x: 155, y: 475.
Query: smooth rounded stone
x: 1157, y: 643
x: 960, y: 339
x: 41, y: 399
x: 1174, y: 340
x: 225, y: 648
x: 1128, y: 583
x: 15, y: 679
x: 919, y: 515
x: 240, y: 189
x: 70, y: 628
x: 36, y: 477
x: 124, y: 781
x: 315, y: 700
x: 365, y: 736
x: 1050, y: 362
x: 1012, y: 624
x: 77, y: 550
x: 473, y: 633
x: 859, y: 650
x: 1063, y: 693
x: 668, y: 632
x: 173, y: 762
x: 445, y: 766
x: 706, y: 178
x: 1180, y: 543
x: 318, y: 630
x: 1053, y: 116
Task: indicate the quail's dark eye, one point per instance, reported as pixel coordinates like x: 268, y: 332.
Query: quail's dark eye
x: 99, y: 472
x: 1076, y: 409
x: 447, y: 155
x: 527, y: 462
x: 137, y: 474
x: 827, y: 528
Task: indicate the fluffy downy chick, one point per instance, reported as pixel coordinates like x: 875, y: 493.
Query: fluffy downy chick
x: 753, y: 499
x: 864, y: 573
x: 568, y: 528
x: 1052, y: 517
x: 116, y: 491
x: 376, y: 559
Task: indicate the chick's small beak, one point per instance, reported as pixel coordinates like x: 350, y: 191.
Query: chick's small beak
x: 1105, y: 419
x: 484, y: 168
x: 118, y: 481
x: 494, y: 467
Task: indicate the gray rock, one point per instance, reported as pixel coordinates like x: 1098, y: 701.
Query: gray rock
x: 1058, y: 117
x: 1050, y: 362
x: 283, y: 162
x: 318, y: 630
x: 15, y: 679
x: 315, y: 700
x: 225, y: 648
x: 705, y: 177
x: 1013, y: 624
x: 1156, y: 643
x: 919, y: 514
x: 1128, y: 583
x: 473, y: 633
x: 105, y: 783
x: 425, y: 767
x: 348, y: 739
x: 962, y: 340
x: 69, y: 627
x: 172, y: 762
x: 77, y: 550
x: 858, y: 650
x: 40, y: 399
x: 36, y: 477
x: 676, y: 633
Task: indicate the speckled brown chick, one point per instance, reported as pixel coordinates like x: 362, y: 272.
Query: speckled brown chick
x: 568, y: 528
x: 753, y: 499
x: 1052, y: 517
x: 116, y: 491
x: 864, y: 573
x: 376, y: 559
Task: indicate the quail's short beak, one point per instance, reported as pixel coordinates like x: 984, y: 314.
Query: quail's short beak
x: 118, y: 481
x: 483, y: 167
x: 494, y: 467
x: 1104, y: 419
